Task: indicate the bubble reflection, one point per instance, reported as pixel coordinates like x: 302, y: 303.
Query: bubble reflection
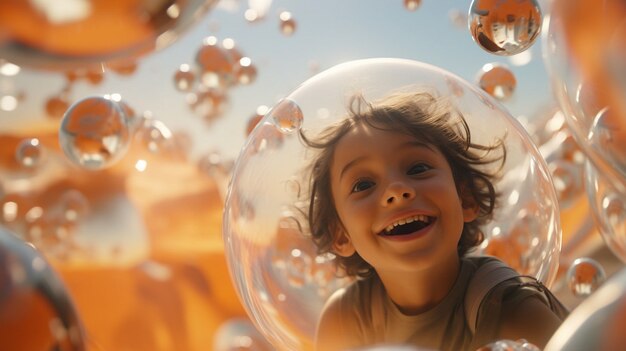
x: 287, y: 23
x: 245, y: 71
x: 287, y: 116
x: 412, y: 5
x: 239, y: 334
x: 29, y: 153
x: 608, y: 208
x: 216, y: 65
x: 94, y: 132
x: 184, y: 78
x: 584, y: 276
x: 607, y: 137
x: 497, y: 80
x: 56, y: 106
x: 504, y: 27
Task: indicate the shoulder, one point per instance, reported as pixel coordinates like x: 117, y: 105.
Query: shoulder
x: 338, y: 327
x: 518, y: 307
x: 485, y: 274
x: 503, y: 286
x: 328, y: 335
x: 481, y: 260
x: 530, y: 319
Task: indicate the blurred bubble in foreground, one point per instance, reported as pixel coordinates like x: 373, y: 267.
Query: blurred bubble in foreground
x: 584, y: 56
x: 88, y: 33
x: 597, y: 323
x: 36, y: 312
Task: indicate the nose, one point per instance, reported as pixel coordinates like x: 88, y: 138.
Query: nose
x: 397, y: 192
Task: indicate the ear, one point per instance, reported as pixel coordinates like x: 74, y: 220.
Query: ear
x: 468, y: 202
x: 343, y: 244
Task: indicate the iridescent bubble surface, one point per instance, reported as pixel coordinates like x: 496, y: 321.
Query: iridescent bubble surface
x: 504, y: 27
x: 584, y: 276
x: 94, y: 132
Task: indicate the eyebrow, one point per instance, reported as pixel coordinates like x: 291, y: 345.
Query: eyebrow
x: 361, y: 158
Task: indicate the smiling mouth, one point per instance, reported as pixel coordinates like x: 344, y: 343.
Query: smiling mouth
x: 411, y: 226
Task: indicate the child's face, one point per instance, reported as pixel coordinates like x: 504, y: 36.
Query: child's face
x: 380, y: 180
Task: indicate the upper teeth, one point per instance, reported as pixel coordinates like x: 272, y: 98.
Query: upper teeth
x: 402, y: 221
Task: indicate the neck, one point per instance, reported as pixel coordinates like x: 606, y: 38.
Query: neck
x: 418, y: 291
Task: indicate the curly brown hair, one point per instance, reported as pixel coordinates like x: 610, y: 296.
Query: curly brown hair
x: 425, y: 117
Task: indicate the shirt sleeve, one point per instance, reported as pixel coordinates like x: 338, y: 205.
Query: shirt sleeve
x: 506, y: 295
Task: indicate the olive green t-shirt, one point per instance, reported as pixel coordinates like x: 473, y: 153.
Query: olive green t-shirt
x: 369, y: 317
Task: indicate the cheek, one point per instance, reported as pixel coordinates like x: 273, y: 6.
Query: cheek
x: 352, y: 212
x: 340, y: 208
x: 344, y: 211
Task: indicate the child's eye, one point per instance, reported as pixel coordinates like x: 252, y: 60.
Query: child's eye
x: 362, y: 185
x: 418, y: 168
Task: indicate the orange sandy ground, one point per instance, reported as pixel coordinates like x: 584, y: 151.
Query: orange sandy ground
x: 122, y: 307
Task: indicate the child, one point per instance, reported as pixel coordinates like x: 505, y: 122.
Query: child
x: 399, y: 194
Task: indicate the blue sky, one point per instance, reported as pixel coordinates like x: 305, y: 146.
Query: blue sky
x: 329, y: 32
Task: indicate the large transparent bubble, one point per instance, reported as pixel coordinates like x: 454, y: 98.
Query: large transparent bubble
x: 280, y: 279
x: 73, y: 34
x: 608, y: 208
x: 597, y: 323
x: 36, y: 311
x: 584, y: 55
